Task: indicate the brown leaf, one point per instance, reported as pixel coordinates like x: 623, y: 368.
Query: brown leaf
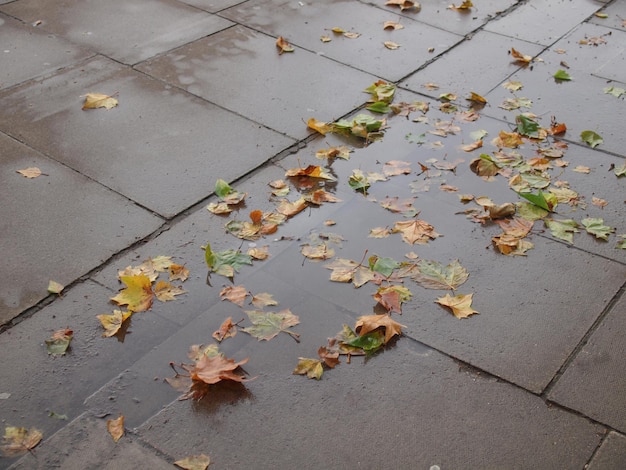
x: 212, y: 370
x: 234, y: 294
x: 116, y: 427
x: 227, y: 329
x: 460, y: 304
x: 415, y: 231
x: 368, y: 323
x: 319, y: 126
x: 330, y: 358
x: 397, y: 167
x: 18, y: 441
x: 32, y: 172
x: 392, y: 25
x: 283, y: 45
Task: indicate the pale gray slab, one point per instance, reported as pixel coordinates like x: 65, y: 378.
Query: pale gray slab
x: 612, y: 453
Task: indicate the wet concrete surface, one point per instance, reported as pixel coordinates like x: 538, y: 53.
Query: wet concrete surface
x: 532, y: 381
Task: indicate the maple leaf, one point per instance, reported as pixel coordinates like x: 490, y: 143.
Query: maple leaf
x: 321, y: 251
x: 31, y: 172
x: 289, y: 209
x: 178, y: 272
x: 596, y: 227
x: 369, y: 323
x: 312, y: 368
x: 227, y: 329
x: 415, y: 231
x: 194, y: 462
x: 345, y: 270
x: 334, y: 152
x: 227, y: 262
x: 213, y: 369
x: 562, y: 229
x: 138, y: 294
x: 18, y: 441
x: 263, y: 300
x: 330, y: 358
x: 320, y: 196
x: 395, y: 205
x: 511, y: 245
x: 98, y: 100
x: 116, y: 427
x: 164, y: 291
x: 313, y: 171
x: 518, y: 56
x: 234, y: 294
x: 59, y: 342
x: 516, y: 227
x: 460, y: 305
x: 319, y: 126
x: 361, y: 125
x: 433, y: 275
x: 268, y: 325
x: 392, y: 297
x: 283, y: 45
x: 484, y: 165
x: 507, y: 139
x: 113, y: 323
x: 382, y: 265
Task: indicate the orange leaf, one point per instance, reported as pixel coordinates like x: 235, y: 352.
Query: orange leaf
x: 32, y: 172
x: 283, y: 45
x: 226, y: 330
x: 234, y: 294
x: 319, y: 126
x: 165, y: 291
x: 518, y: 56
x: 116, y: 428
x: 368, y: 323
x: 212, y: 370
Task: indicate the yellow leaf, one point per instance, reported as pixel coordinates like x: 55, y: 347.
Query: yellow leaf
x: 319, y: 126
x: 165, y: 291
x: 391, y: 45
x: 460, y: 304
x: 194, y: 462
x: 466, y: 5
x: 283, y: 45
x: 476, y: 98
x: 55, y: 288
x: 32, y: 172
x: 311, y: 367
x: 137, y: 295
x: 113, y: 323
x: 18, y: 441
x: 518, y: 56
x: 325, y: 39
x: 116, y: 428
x: 178, y: 272
x: 98, y: 100
x: 392, y: 25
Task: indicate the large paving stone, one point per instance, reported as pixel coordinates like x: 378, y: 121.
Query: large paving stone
x: 303, y: 24
x: 58, y: 226
x: 458, y: 71
x: 544, y: 21
x: 28, y: 52
x: 279, y: 91
x: 160, y: 147
x: 409, y: 407
x: 86, y: 443
x: 594, y: 383
x: 611, y: 455
x: 581, y: 103
x: 616, y: 12
x: 125, y: 31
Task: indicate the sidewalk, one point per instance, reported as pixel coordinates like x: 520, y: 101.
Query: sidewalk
x: 533, y: 380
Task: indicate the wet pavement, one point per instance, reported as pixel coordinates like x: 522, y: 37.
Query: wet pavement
x: 534, y: 380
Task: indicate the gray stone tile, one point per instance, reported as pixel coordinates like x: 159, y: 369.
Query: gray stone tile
x: 50, y: 232
x: 28, y: 52
x: 160, y: 147
x: 580, y: 103
x: 279, y: 91
x: 543, y: 21
x: 594, y: 384
x: 427, y: 411
x: 303, y: 24
x: 85, y: 443
x: 212, y: 6
x: 611, y: 455
x: 617, y: 15
x: 39, y: 384
x: 111, y: 28
x: 461, y: 71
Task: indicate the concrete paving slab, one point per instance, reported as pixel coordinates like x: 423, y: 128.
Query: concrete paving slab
x: 616, y: 12
x: 160, y: 147
x: 615, y: 69
x: 581, y: 103
x: 593, y: 384
x: 28, y: 52
x: 41, y: 239
x: 111, y: 29
x: 544, y: 21
x: 461, y: 71
x: 39, y: 384
x: 426, y: 410
x: 86, y: 443
x: 611, y: 455
x: 303, y: 24
x: 212, y: 6
x: 279, y: 91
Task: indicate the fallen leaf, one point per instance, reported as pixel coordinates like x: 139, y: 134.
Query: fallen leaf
x: 562, y: 75
x: 391, y: 298
x: 59, y: 342
x: 113, y: 323
x: 227, y: 329
x: 313, y: 171
x: 591, y: 138
x: 433, y: 275
x: 138, y: 293
x: 415, y: 231
x: 330, y: 358
x: 621, y: 244
x: 234, y: 294
x: 513, y: 85
x: 466, y: 5
x: 395, y: 205
x: 263, y: 300
x: 116, y: 427
x: 476, y: 98
x: 508, y: 140
x: 194, y: 462
x: 596, y: 201
x: 484, y: 165
x: 596, y: 227
x: 447, y: 188
x: 178, y: 272
x: 164, y: 291
x: 268, y: 325
x: 620, y: 170
x: 351, y: 34
x: 283, y: 45
x: 17, y: 441
x: 379, y: 232
x: 615, y: 91
x: 259, y: 253
x: 518, y: 56
x: 392, y: 25
x: 98, y: 100
x: 227, y: 262
x: 31, y: 172
x: 460, y: 305
x: 381, y: 91
x: 582, y: 169
x: 290, y: 209
x: 317, y: 252
x: 404, y: 4
x: 562, y: 229
x: 312, y: 368
x: 325, y: 38
x: 213, y: 369
x: 369, y: 323
x: 319, y: 126
x: 334, y: 152
x: 55, y: 288
x: 473, y: 146
x: 391, y: 45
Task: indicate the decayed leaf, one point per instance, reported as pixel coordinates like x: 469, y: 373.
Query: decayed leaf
x: 320, y: 196
x: 515, y: 103
x: 178, y: 272
x: 404, y: 4
x: 18, y: 441
x: 395, y: 205
x: 369, y: 323
x: 330, y: 358
x: 391, y: 298
x: 227, y: 262
x: 312, y: 368
x: 267, y: 325
x: 460, y: 305
x: 314, y: 171
x: 164, y: 291
x: 466, y: 5
x: 379, y: 232
x: 334, y: 152
x: 513, y: 85
x: 116, y: 427
x: 511, y: 245
x: 596, y: 227
x: 415, y: 231
x: 263, y: 300
x: 433, y: 275
x: 227, y: 329
x: 562, y: 229
x: 59, y: 342
x: 319, y: 126
x: 194, y: 462
x: 260, y: 253
x: 283, y: 45
x: 98, y: 100
x: 213, y: 369
x: 113, y: 323
x: 234, y: 294
x: 31, y: 172
x: 518, y: 56
x: 320, y: 251
x: 138, y: 294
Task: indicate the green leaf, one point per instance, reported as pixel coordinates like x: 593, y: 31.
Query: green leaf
x: 527, y: 126
x: 358, y: 181
x: 433, y: 275
x: 59, y: 342
x: 545, y: 201
x: 381, y: 91
x: 369, y: 342
x: 225, y: 263
x: 529, y: 211
x: 267, y: 325
x: 615, y: 91
x: 311, y: 367
x: 562, y: 75
x: 596, y: 227
x: 379, y: 107
x: 620, y: 170
x: 222, y: 188
x: 591, y: 138
x: 384, y: 266
x: 621, y: 244
x: 562, y: 229
x: 416, y: 139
